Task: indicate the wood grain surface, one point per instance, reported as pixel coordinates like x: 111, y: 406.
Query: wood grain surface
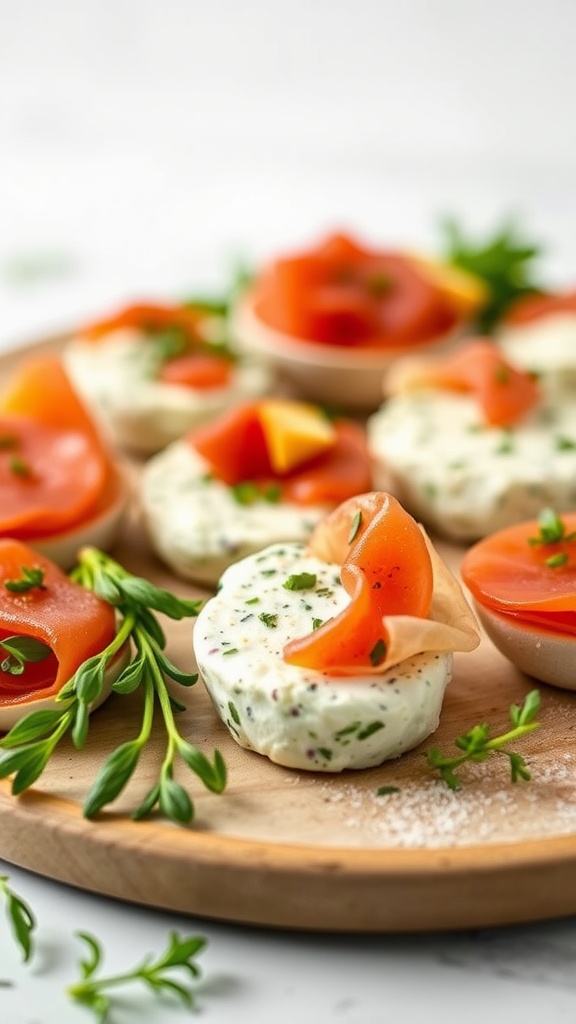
x: 312, y: 850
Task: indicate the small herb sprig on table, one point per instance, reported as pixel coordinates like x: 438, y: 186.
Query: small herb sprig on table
x: 504, y: 262
x: 156, y: 974
x: 477, y: 744
x: 32, y: 741
x: 21, y: 918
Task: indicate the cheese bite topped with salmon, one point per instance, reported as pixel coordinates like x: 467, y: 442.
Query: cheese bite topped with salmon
x: 267, y: 471
x: 471, y: 443
x: 49, y: 626
x: 151, y: 372
x: 59, y: 486
x: 335, y: 654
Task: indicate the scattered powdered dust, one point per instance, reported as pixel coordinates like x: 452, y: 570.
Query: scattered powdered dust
x: 427, y: 814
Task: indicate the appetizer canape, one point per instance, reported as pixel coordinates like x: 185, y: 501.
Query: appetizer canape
x: 59, y: 487
x: 335, y: 654
x: 152, y: 372
x: 470, y: 444
x: 266, y: 471
x: 539, y: 334
x: 333, y: 317
x: 49, y: 626
x: 523, y: 582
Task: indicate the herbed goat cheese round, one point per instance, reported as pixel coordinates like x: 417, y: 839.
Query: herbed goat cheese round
x: 302, y: 718
x: 546, y: 347
x: 464, y: 479
x: 117, y: 377
x: 198, y: 527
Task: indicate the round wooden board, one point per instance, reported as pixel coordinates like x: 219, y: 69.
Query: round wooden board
x: 312, y: 850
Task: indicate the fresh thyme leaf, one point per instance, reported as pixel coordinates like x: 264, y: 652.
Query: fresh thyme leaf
x: 504, y: 262
x: 160, y: 974
x: 355, y: 526
x: 21, y: 918
x: 32, y: 576
x: 20, y: 650
x: 477, y: 745
x: 31, y: 742
x: 300, y: 581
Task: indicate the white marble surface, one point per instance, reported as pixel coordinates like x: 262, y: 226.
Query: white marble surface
x: 144, y: 146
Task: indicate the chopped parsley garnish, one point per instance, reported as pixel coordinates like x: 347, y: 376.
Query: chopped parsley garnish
x: 300, y: 581
x: 19, y: 467
x: 378, y: 652
x: 556, y: 561
x: 316, y: 623
x: 269, y: 619
x: 253, y: 600
x: 552, y: 529
x: 387, y: 790
x: 564, y: 444
x: 247, y: 492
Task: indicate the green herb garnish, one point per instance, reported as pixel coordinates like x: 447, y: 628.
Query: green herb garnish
x: 477, y: 745
x: 552, y: 529
x: 32, y: 576
x: 556, y: 561
x: 156, y: 974
x: 19, y: 650
x: 355, y: 525
x: 21, y: 918
x: 504, y: 262
x: 268, y: 619
x: 31, y: 742
x: 378, y: 653
x: 19, y: 467
x: 300, y: 581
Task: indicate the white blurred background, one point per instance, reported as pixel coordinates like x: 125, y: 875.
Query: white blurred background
x: 147, y: 144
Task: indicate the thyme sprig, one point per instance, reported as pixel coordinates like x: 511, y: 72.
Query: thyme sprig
x: 477, y: 744
x: 156, y: 974
x: 32, y: 741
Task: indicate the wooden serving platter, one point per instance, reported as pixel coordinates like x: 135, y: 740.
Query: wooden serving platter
x: 311, y: 850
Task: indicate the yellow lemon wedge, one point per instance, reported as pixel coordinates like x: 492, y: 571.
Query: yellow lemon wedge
x: 294, y: 432
x: 468, y: 292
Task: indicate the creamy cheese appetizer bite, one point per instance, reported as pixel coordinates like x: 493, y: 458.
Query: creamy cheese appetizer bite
x: 470, y: 444
x: 151, y: 372
x: 333, y: 316
x: 266, y: 471
x: 59, y: 486
x: 523, y: 582
x: 539, y: 335
x: 49, y: 626
x: 335, y: 654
